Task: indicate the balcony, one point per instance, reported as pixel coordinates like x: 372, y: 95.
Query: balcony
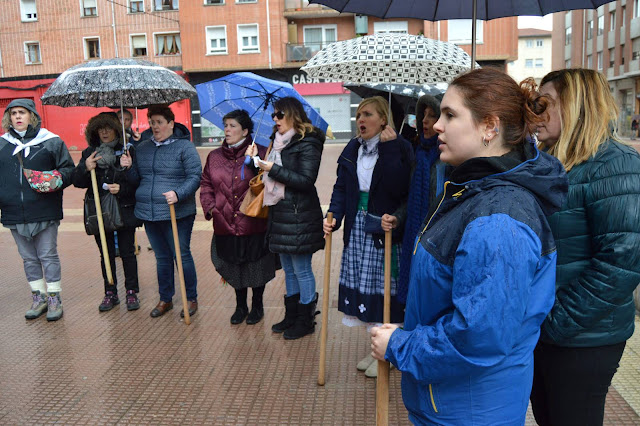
x: 302, y: 52
x: 301, y: 9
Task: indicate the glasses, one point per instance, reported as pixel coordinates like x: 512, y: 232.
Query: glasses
x: 279, y: 115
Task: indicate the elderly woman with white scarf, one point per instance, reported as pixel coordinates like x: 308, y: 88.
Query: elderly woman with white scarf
x: 32, y: 208
x: 295, y: 218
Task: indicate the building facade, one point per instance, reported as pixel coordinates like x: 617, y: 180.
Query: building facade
x: 534, y: 55
x: 608, y: 40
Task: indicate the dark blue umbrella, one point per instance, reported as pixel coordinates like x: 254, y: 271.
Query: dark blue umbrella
x: 436, y: 10
x: 253, y: 93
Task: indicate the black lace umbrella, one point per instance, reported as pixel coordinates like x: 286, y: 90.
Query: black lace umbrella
x: 119, y: 82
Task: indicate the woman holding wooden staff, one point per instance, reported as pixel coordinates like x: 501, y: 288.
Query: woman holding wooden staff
x: 373, y: 182
x: 483, y: 270
x: 167, y: 168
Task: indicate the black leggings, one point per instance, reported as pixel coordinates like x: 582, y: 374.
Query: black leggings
x: 570, y: 385
x: 127, y: 250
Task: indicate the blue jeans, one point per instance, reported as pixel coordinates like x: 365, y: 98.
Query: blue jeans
x: 161, y: 238
x: 298, y: 276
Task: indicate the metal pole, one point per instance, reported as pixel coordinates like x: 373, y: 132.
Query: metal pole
x: 113, y: 24
x: 473, y: 35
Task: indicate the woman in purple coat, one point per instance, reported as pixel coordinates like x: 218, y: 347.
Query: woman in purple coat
x: 238, y: 249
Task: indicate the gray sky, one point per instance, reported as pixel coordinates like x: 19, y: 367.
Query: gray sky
x: 543, y: 23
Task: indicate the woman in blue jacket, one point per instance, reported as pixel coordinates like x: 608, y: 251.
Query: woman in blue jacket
x: 373, y: 182
x: 483, y: 270
x: 597, y: 232
x: 167, y: 169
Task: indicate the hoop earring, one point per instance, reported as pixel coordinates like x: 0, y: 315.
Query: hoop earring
x: 485, y: 142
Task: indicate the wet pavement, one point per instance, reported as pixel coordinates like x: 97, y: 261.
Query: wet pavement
x: 121, y: 367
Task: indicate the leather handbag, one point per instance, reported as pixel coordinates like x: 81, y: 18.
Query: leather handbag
x: 111, y: 215
x: 252, y: 203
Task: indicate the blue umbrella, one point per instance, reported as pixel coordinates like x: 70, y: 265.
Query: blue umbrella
x: 253, y: 93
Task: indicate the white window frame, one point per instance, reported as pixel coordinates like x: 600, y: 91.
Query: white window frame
x: 538, y: 63
x: 463, y: 26
x: 528, y: 63
x: 27, y: 57
x: 393, y: 27
x: 155, y: 42
x: 600, y: 60
x: 528, y: 43
x: 129, y: 6
x: 539, y: 42
x: 590, y: 61
x: 567, y: 36
x: 85, y: 47
x: 636, y: 8
x: 221, y: 3
x: 131, y: 47
x: 600, y: 25
x: 153, y: 7
x: 82, y: 9
x: 241, y: 50
x: 246, y: 1
x: 590, y: 29
x: 612, y: 20
x: 23, y: 13
x: 218, y: 51
x: 324, y: 27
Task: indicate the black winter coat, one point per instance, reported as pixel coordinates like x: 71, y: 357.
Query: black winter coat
x: 295, y: 223
x: 81, y: 178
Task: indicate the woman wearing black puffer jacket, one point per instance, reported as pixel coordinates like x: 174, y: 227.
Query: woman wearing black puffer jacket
x: 294, y: 229
x: 104, y: 136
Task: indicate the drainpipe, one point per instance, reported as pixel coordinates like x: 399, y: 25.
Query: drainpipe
x: 268, y: 35
x: 1, y: 66
x: 113, y: 24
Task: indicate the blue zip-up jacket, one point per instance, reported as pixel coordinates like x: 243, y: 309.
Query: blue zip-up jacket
x: 173, y: 166
x: 482, y: 281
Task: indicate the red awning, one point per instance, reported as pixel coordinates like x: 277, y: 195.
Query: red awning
x: 320, y: 89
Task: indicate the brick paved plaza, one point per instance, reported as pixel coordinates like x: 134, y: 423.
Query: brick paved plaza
x: 123, y: 367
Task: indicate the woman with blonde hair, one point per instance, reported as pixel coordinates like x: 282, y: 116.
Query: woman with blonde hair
x: 597, y: 233
x: 294, y: 227
x: 374, y: 172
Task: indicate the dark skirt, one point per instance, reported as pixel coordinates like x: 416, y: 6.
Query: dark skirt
x: 243, y: 274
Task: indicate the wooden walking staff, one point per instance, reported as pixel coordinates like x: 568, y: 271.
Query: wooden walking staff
x: 325, y: 303
x: 176, y: 244
x: 382, y: 386
x: 103, y: 237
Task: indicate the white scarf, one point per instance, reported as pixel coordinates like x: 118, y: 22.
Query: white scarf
x: 42, y: 136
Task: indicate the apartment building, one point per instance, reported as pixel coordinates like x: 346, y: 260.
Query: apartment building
x: 534, y: 55
x: 608, y: 40
x: 203, y: 40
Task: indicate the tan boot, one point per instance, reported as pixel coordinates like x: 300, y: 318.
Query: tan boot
x: 372, y: 371
x: 365, y: 362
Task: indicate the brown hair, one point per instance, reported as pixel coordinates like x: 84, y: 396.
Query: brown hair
x: 102, y: 121
x: 381, y: 106
x: 6, y: 119
x: 583, y: 130
x: 489, y: 93
x: 294, y: 110
x: 162, y: 110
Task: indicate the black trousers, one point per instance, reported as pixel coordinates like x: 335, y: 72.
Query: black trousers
x: 128, y: 256
x: 570, y: 385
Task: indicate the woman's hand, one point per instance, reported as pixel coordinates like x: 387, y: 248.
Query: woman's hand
x: 114, y: 188
x: 92, y: 161
x: 328, y: 228
x: 389, y: 222
x: 265, y: 165
x: 125, y: 161
x: 171, y: 197
x: 380, y: 340
x: 388, y: 134
x: 252, y: 150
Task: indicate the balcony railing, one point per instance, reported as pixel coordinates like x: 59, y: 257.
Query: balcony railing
x: 302, y: 5
x: 302, y: 52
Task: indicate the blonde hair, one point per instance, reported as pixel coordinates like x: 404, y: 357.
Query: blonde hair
x: 588, y: 114
x: 6, y: 119
x: 381, y: 106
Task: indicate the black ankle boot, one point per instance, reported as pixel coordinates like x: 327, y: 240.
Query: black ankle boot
x: 257, y: 310
x: 241, y: 307
x: 305, y: 321
x: 290, y: 312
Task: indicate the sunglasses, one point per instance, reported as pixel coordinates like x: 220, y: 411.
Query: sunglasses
x: 279, y: 115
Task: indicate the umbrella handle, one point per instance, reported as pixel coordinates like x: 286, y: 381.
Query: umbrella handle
x: 247, y: 159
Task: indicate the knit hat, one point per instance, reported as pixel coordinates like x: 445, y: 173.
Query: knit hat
x: 27, y: 104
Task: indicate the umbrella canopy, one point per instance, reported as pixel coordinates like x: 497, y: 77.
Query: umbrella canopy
x: 254, y: 94
x: 389, y: 58
x: 119, y: 82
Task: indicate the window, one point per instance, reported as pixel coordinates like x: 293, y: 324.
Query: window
x: 213, y: 2
x: 92, y: 48
x: 528, y: 63
x: 539, y: 63
x: 460, y: 31
x: 622, y: 54
x: 139, y: 45
x: 528, y: 43
x: 168, y: 44
x: 612, y: 20
x: 539, y: 43
x: 318, y: 36
x: 636, y: 8
x: 567, y: 36
x: 589, y: 30
x: 136, y: 6
x: 600, y: 24
x: 165, y: 5
x: 624, y: 15
x: 217, y: 40
x: 612, y: 57
x: 89, y: 8
x: 248, y: 39
x: 32, y: 52
x: 635, y: 55
x: 246, y: 1
x: 590, y: 61
x: 398, y: 27
x: 599, y: 61
x: 28, y: 10
x: 567, y: 63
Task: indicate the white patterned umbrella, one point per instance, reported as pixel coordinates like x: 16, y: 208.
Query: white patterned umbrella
x: 117, y: 82
x: 389, y: 58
